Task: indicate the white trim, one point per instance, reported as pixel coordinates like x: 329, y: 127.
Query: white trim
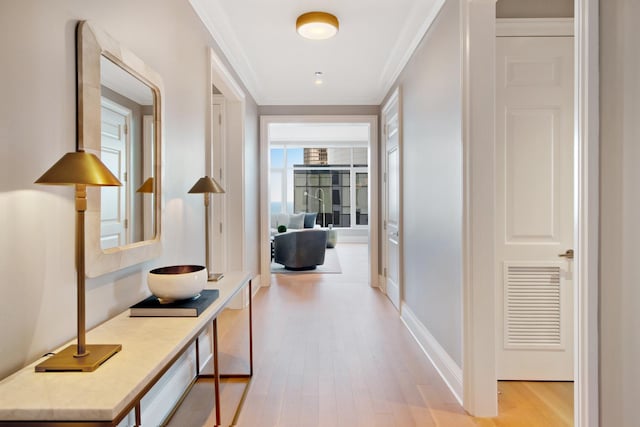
x: 395, y: 293
x: 587, y: 158
x: 534, y: 27
x: 223, y: 80
x: 241, y: 65
x: 586, y: 409
x: 387, y: 78
x: 448, y: 369
x: 235, y: 110
x: 478, y: 148
x: 265, y: 246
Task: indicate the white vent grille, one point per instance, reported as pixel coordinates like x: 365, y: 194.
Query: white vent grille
x: 532, y: 307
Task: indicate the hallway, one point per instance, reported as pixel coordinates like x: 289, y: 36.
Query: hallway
x: 332, y: 351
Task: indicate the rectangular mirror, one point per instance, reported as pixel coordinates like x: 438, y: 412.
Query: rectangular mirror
x: 119, y: 120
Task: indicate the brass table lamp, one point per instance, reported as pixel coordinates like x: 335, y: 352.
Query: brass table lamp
x: 207, y: 185
x: 79, y: 169
x: 146, y: 187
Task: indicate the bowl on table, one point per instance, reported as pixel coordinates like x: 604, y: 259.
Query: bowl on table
x: 177, y: 282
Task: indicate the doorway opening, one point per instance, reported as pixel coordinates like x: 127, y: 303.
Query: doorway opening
x: 320, y: 172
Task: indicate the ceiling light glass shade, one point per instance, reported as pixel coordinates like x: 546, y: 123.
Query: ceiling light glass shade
x: 79, y: 167
x: 206, y: 185
x: 317, y: 25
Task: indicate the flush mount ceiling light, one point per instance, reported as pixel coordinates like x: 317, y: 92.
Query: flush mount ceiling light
x: 317, y: 25
x: 318, y: 80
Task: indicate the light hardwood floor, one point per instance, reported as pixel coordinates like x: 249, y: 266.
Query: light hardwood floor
x: 331, y: 351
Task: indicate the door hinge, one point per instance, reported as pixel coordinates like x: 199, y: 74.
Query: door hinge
x: 126, y: 223
x: 220, y: 174
x: 384, y: 130
x: 384, y: 177
x: 220, y: 228
x: 126, y: 129
x: 124, y: 176
x: 384, y: 225
x: 384, y: 272
x: 220, y: 119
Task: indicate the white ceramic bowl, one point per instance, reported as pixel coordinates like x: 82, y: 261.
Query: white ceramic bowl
x: 177, y: 282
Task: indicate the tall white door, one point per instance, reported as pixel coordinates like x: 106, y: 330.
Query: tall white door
x: 113, y: 205
x: 534, y: 146
x: 218, y: 261
x: 392, y: 219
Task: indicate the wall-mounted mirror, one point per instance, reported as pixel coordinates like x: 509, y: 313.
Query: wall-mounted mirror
x: 119, y: 119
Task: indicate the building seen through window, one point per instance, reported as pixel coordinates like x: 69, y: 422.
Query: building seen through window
x: 333, y: 182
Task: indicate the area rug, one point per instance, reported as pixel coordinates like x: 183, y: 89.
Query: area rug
x: 331, y: 266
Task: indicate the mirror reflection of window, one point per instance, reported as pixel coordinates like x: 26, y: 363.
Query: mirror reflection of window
x: 127, y: 135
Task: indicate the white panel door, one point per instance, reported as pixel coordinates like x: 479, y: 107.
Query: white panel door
x: 113, y: 153
x: 392, y: 201
x: 534, y: 176
x: 218, y: 261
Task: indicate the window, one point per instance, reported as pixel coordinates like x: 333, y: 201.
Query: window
x: 333, y: 182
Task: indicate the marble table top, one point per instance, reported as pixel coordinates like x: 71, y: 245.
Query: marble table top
x: 148, y: 345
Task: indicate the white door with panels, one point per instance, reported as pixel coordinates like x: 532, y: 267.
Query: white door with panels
x: 391, y: 224
x: 115, y: 123
x: 534, y: 177
x: 217, y: 250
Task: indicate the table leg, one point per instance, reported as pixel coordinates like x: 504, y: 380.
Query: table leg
x: 216, y: 373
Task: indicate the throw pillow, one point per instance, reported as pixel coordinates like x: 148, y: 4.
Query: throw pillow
x: 296, y: 221
x: 310, y: 219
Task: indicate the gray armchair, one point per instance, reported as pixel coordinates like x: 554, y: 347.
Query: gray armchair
x: 300, y: 250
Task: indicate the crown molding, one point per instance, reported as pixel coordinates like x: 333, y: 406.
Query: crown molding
x: 401, y: 58
x: 206, y: 11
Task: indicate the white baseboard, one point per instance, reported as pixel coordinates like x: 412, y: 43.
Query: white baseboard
x: 450, y: 372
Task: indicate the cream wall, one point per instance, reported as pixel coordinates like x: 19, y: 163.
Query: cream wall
x: 430, y: 85
x: 620, y: 213
x: 37, y: 125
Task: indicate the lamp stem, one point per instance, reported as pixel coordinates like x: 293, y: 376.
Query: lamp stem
x: 81, y: 207
x: 206, y: 231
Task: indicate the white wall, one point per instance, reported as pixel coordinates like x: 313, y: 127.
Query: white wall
x: 620, y: 213
x: 432, y: 179
x: 37, y: 125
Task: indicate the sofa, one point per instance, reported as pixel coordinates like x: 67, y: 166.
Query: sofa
x: 301, y: 249
x: 297, y: 221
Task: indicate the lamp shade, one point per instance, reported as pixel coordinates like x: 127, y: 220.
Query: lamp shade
x: 206, y: 184
x: 79, y: 167
x: 146, y: 187
x: 317, y: 25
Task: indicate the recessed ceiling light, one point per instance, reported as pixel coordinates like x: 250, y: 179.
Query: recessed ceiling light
x: 318, y: 80
x: 317, y: 25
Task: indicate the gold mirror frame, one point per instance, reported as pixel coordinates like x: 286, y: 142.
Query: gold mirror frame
x: 92, y: 43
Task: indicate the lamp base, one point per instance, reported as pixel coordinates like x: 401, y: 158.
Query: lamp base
x: 214, y: 277
x: 66, y: 360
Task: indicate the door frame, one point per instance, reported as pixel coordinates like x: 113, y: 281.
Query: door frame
x: 478, y: 90
x: 234, y: 159
x: 394, y: 99
x: 374, y: 222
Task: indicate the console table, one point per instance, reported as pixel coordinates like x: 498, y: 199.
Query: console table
x: 150, y: 346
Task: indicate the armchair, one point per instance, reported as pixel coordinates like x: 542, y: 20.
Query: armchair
x: 300, y: 250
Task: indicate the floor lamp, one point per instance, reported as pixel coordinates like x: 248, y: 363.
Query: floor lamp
x: 207, y: 185
x: 79, y: 169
